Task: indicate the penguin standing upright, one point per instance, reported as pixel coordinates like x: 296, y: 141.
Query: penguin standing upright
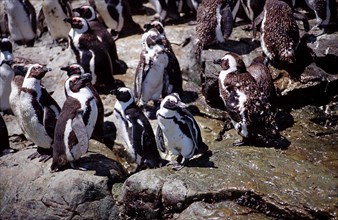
x: 75, y: 70
x: 178, y: 127
x: 134, y: 128
x: 39, y: 111
x: 88, y: 12
x: 150, y: 73
x: 6, y: 74
x: 91, y: 53
x: 54, y: 12
x: 76, y: 122
x: 253, y: 8
x: 167, y: 9
x: 280, y: 33
x: 246, y: 105
x: 21, y: 21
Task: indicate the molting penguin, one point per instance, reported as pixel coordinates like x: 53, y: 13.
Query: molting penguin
x: 246, y: 105
x: 91, y: 53
x: 88, y: 12
x: 54, y: 12
x: 38, y: 110
x: 75, y: 123
x: 280, y: 33
x: 150, y: 78
x: 179, y: 128
x: 215, y: 20
x: 21, y: 21
x: 75, y: 70
x: 134, y: 128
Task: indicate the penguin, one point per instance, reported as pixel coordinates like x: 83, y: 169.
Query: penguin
x: 88, y: 13
x: 215, y: 20
x: 6, y: 74
x: 253, y: 8
x: 117, y: 16
x: 167, y: 9
x: 74, y: 70
x: 4, y: 141
x: 91, y: 53
x: 174, y: 73
x: 53, y: 13
x: 76, y: 122
x: 246, y: 105
x: 280, y: 33
x: 136, y: 131
x: 39, y: 111
x: 21, y: 21
x: 150, y: 80
x: 178, y: 127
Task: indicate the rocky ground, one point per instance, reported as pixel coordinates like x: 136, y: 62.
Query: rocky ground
x: 295, y: 178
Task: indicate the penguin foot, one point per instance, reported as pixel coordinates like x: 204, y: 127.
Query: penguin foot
x: 175, y: 166
x: 43, y: 154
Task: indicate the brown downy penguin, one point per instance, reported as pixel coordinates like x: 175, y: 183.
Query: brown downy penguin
x: 246, y: 105
x: 88, y: 12
x: 74, y: 70
x: 76, y: 122
x: 39, y: 111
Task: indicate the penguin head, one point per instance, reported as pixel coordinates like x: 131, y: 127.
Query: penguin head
x: 172, y: 102
x: 78, y: 23
x: 155, y: 24
x: 73, y: 69
x: 231, y: 62
x: 6, y: 45
x: 152, y: 38
x: 37, y: 71
x: 76, y: 83
x: 86, y: 12
x: 124, y: 94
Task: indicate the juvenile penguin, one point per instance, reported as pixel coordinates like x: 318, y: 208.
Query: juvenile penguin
x: 91, y: 53
x: 150, y: 80
x: 215, y: 20
x: 280, y: 33
x: 134, y: 128
x: 178, y: 127
x: 21, y: 21
x: 98, y: 28
x: 39, y: 111
x: 54, y: 12
x: 75, y: 70
x: 246, y: 105
x: 75, y: 123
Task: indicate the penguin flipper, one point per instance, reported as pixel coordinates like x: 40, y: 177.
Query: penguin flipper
x: 193, y: 128
x: 227, y: 21
x: 139, y: 77
x: 80, y: 131
x: 49, y: 120
x: 160, y: 139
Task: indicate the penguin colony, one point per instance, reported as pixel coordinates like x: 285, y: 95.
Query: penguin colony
x: 63, y: 132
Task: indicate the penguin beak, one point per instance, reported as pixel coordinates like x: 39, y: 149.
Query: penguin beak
x: 46, y: 69
x: 147, y: 27
x: 87, y: 77
x: 68, y: 20
x: 219, y: 61
x: 78, y: 10
x: 65, y: 68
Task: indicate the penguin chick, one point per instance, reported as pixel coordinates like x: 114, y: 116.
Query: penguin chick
x: 75, y: 70
x: 75, y: 123
x: 39, y: 111
x: 246, y: 105
x: 179, y: 129
x: 134, y: 128
x: 280, y: 33
x: 98, y: 28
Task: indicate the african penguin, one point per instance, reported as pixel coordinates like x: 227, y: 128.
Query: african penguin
x: 150, y: 78
x: 253, y: 8
x: 280, y: 33
x: 136, y: 132
x: 38, y: 110
x: 88, y: 12
x: 4, y: 141
x: 54, y: 12
x: 6, y: 74
x: 173, y: 70
x: 74, y: 70
x: 179, y: 129
x: 167, y: 9
x: 76, y: 122
x: 91, y: 53
x: 215, y: 20
x: 246, y: 105
x: 21, y: 21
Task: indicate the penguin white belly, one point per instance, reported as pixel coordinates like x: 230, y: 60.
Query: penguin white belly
x: 75, y: 152
x: 152, y: 85
x: 101, y: 7
x: 178, y: 142
x: 54, y: 16
x: 33, y: 128
x: 19, y: 24
x: 263, y: 45
x: 6, y: 77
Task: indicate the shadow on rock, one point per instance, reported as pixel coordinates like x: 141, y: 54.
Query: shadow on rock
x: 202, y: 161
x: 241, y: 47
x: 189, y: 96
